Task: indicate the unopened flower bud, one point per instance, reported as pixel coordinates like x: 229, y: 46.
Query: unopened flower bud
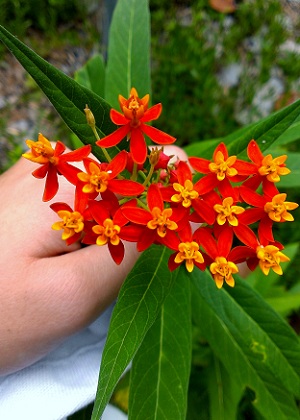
x: 89, y: 116
x: 154, y: 155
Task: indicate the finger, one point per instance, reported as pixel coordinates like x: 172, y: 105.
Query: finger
x: 85, y: 282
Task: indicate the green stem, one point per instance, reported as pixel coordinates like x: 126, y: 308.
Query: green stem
x: 150, y: 173
x: 104, y: 151
x: 142, y: 204
x: 134, y: 172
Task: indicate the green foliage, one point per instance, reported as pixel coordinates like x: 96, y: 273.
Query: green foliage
x: 129, y: 34
x: 164, y: 353
x: 43, y: 15
x: 238, y: 354
x: 139, y: 303
x: 191, y: 49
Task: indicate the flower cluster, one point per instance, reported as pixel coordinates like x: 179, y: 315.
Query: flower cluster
x: 211, y: 213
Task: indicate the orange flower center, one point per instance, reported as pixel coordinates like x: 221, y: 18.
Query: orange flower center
x: 134, y: 108
x: 109, y: 232
x: 189, y: 252
x: 222, y: 270
x: 226, y: 212
x: 273, y: 168
x: 222, y: 167
x: 72, y: 222
x: 41, y: 151
x: 278, y: 208
x: 270, y: 257
x: 95, y: 180
x: 186, y: 193
x: 161, y: 221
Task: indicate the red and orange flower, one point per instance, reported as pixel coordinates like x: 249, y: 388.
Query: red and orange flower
x: 54, y: 162
x: 133, y: 125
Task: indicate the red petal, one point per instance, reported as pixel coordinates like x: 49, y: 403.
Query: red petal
x: 167, y: 192
x: 76, y: 237
x: 131, y: 233
x: 265, y: 229
x: 246, y: 235
x: 200, y: 165
x: 204, y: 210
x: 156, y: 135
x: 146, y: 239
x: 117, y: 252
x: 51, y: 186
x: 251, y: 216
x: 227, y: 190
x: 170, y: 240
x: 59, y: 148
x: 41, y: 171
x: 244, y: 168
x: 240, y: 254
x: 81, y: 198
x: 152, y: 113
x: 269, y: 188
x: 68, y: 171
x: 137, y: 215
x: 185, y: 234
x: 117, y: 164
x: 207, y: 241
x: 172, y: 265
x: 254, y: 153
x: 154, y: 198
x: 253, y: 182
x: 206, y: 184
x: 76, y: 155
x: 125, y: 187
x: 60, y: 206
x: 118, y: 118
x: 183, y: 172
x: 221, y: 148
x: 138, y: 147
x: 99, y: 211
x: 251, y: 197
x: 225, y: 242
x: 114, y: 138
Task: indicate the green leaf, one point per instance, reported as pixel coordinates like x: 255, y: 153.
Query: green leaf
x: 256, y: 346
x: 67, y: 96
x: 92, y: 75
x: 266, y: 132
x: 161, y: 368
x: 128, y: 62
x: 138, y: 305
x: 290, y: 135
x: 224, y: 392
x: 286, y: 303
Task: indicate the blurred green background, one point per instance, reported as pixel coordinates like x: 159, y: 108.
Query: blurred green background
x: 216, y: 64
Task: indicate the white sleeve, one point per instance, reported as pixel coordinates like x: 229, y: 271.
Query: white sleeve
x: 62, y: 382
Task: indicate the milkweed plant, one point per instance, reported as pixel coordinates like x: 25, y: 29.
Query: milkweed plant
x: 196, y: 223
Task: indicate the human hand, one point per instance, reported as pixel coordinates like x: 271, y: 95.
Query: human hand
x: 49, y: 290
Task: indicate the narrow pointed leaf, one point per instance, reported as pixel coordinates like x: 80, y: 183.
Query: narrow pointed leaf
x: 161, y: 368
x: 266, y: 132
x: 67, y: 96
x: 128, y: 63
x: 253, y: 342
x: 139, y: 303
x: 92, y: 75
x: 224, y: 392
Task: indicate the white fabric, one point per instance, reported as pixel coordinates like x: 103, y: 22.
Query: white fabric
x: 62, y: 382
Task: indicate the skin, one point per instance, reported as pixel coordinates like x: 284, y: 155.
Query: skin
x: 48, y: 290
